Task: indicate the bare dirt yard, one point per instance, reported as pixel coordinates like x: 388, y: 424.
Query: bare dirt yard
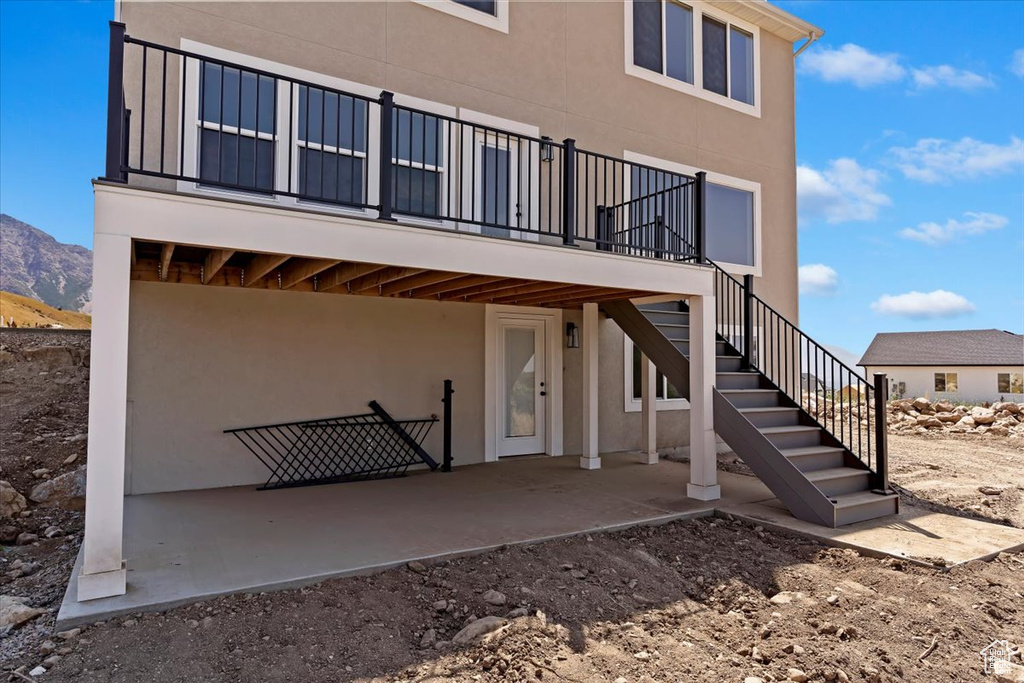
x: 707, y: 600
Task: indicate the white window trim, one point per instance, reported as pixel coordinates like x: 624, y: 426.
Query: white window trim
x: 191, y: 143
x: 718, y: 179
x: 498, y: 22
x: 635, y: 405
x: 697, y: 88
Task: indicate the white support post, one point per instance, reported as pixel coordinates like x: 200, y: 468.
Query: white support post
x: 648, y: 412
x: 103, y: 572
x: 703, y: 459
x: 591, y: 457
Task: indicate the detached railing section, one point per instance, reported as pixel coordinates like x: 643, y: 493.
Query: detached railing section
x: 837, y: 397
x: 204, y: 122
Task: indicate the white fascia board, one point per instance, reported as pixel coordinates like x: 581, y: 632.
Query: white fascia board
x: 218, y: 223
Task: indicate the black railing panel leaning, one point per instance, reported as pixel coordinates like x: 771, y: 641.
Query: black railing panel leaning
x: 184, y: 121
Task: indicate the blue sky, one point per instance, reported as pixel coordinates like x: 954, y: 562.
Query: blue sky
x: 910, y: 145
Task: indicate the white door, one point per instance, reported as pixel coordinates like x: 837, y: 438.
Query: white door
x: 521, y: 387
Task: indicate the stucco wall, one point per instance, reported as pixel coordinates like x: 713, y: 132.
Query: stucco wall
x: 975, y: 384
x: 561, y: 68
x: 203, y: 359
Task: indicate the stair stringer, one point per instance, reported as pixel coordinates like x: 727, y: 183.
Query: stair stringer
x: 655, y: 345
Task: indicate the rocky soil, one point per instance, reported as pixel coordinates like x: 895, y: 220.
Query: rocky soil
x: 706, y: 600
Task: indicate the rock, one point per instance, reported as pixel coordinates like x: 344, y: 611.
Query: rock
x: 440, y: 605
x: 793, y: 649
x: 71, y: 458
x: 751, y: 679
x: 1007, y: 406
x: 66, y: 490
x: 69, y: 634
x: 518, y: 613
x: 1013, y: 674
x: 38, y: 671
x: 991, y: 490
x: 478, y: 629
x: 842, y: 676
x: 983, y: 416
x: 50, y: 662
x: 14, y: 612
x: 428, y: 638
x: 947, y: 417
x: 968, y: 422
x: 417, y: 567
x: 832, y: 599
x: 47, y: 648
x: 796, y: 675
x: 77, y: 438
x: 8, y: 534
x: 493, y: 597
x: 787, y: 597
x: 921, y: 404
x: 41, y: 473
x: 643, y: 655
x: 578, y: 574
x: 11, y: 502
x: 24, y: 538
x: 929, y: 422
x: 943, y: 407
x: 128, y: 623
x: 53, y: 532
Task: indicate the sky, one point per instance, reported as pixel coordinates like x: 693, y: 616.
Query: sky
x: 910, y: 153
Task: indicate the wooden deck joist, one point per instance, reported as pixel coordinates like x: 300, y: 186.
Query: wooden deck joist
x: 184, y: 264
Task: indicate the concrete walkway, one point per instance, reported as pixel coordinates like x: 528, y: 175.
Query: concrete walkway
x: 185, y: 546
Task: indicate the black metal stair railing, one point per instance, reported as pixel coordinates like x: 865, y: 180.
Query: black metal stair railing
x: 338, y: 449
x: 838, y: 399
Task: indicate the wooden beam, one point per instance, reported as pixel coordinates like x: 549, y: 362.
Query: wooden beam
x: 301, y: 269
x: 432, y: 291
x: 595, y: 296
x: 371, y: 283
x: 166, y: 252
x: 215, y: 260
x: 432, y: 277
x: 344, y: 273
x: 261, y: 265
x: 552, y: 290
x: 531, y: 288
x: 489, y: 289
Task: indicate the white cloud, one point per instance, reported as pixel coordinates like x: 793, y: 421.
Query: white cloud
x: 1017, y: 63
x: 933, y: 160
x: 853, y: 63
x: 817, y: 279
x: 936, y: 304
x: 973, y: 224
x: 947, y: 76
x: 845, y: 191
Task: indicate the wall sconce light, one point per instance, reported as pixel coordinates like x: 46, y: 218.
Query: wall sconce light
x: 547, y: 150
x: 572, y: 336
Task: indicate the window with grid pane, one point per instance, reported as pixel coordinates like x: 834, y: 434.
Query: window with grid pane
x: 417, y: 163
x: 237, y: 124
x: 331, y: 142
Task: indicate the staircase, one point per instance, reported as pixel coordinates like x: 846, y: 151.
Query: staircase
x: 820, y: 468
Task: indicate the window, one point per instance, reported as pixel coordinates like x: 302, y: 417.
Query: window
x: 946, y: 382
x: 731, y: 211
x: 666, y: 396
x: 485, y: 6
x: 1010, y: 383
x: 668, y: 52
x: 417, y: 163
x: 237, y: 127
x: 331, y: 140
x: 656, y: 211
x: 693, y: 48
x: 496, y: 180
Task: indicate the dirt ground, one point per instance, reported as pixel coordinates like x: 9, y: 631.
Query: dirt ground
x: 706, y: 600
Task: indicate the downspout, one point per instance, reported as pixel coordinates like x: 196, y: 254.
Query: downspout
x: 810, y: 39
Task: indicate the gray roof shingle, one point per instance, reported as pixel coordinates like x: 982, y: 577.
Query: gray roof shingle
x: 955, y: 347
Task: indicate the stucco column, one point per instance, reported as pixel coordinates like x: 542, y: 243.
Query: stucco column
x: 648, y: 412
x: 703, y: 461
x: 103, y: 572
x: 591, y: 457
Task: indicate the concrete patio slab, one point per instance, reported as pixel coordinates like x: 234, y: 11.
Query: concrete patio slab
x: 928, y: 538
x: 190, y: 545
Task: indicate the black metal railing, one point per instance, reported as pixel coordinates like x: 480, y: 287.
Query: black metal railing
x: 836, y: 396
x: 180, y: 116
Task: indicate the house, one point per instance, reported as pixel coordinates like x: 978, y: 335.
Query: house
x: 582, y: 215
x: 972, y: 366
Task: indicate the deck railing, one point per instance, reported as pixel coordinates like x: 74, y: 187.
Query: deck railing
x: 196, y: 121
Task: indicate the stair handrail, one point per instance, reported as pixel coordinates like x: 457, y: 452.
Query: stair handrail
x: 739, y: 309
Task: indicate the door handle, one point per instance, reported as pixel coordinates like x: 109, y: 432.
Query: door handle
x: 543, y: 393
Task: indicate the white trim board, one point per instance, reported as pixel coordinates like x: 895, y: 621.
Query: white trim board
x: 554, y: 405
x: 497, y: 21
x: 718, y: 179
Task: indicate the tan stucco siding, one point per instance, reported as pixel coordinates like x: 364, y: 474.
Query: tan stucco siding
x: 561, y: 68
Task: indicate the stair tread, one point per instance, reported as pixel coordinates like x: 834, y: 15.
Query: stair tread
x: 669, y: 325
x: 787, y: 429
x: 810, y: 450
x: 835, y: 473
x: 747, y: 391
x: 738, y: 372
x: 767, y: 409
x: 844, y: 500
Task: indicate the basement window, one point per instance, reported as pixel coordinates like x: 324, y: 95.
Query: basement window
x: 666, y: 395
x: 946, y: 382
x: 1010, y: 383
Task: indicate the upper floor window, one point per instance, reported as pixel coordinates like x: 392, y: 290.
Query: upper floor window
x: 731, y: 211
x: 688, y: 47
x: 417, y: 163
x: 331, y: 144
x: 485, y: 6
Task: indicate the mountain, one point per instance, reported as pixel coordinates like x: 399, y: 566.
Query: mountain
x: 35, y: 265
x: 26, y: 312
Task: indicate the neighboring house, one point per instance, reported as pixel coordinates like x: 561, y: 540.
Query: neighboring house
x: 309, y: 207
x: 972, y: 366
